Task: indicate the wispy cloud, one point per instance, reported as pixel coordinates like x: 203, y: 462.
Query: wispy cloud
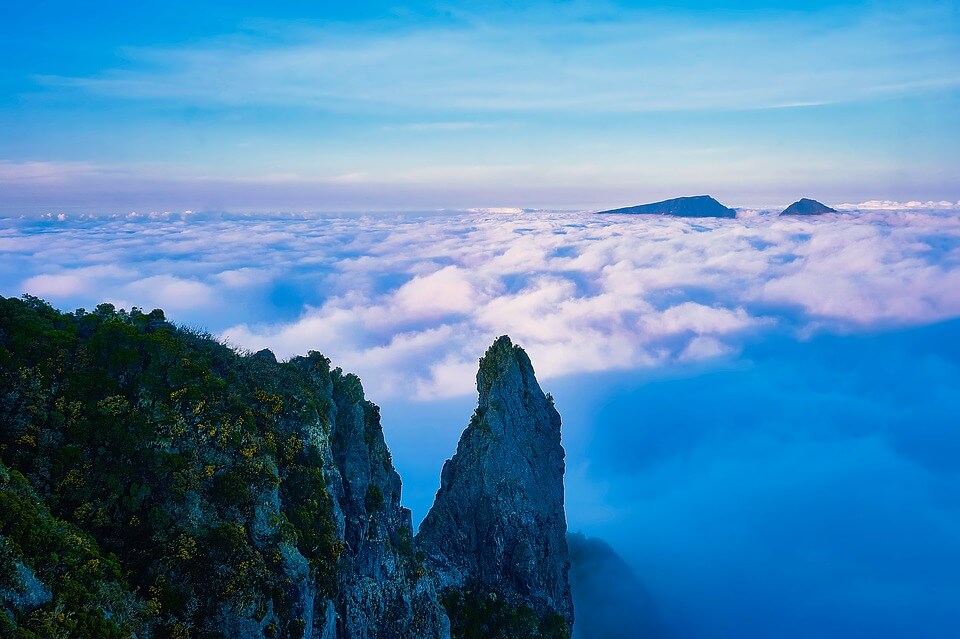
x: 893, y: 205
x: 562, y: 60
x: 51, y: 173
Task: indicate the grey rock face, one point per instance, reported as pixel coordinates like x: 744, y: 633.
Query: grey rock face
x: 498, y: 519
x: 26, y: 591
x: 692, y: 206
x: 380, y: 593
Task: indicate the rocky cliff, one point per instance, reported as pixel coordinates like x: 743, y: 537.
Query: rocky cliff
x: 498, y: 524
x: 157, y: 484
x: 381, y: 590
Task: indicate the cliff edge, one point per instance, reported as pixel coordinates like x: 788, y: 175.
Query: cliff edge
x: 157, y: 483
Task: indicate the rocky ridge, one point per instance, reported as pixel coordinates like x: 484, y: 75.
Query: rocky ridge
x: 156, y: 484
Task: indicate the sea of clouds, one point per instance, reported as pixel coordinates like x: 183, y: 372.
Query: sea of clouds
x: 760, y: 414
x: 410, y: 301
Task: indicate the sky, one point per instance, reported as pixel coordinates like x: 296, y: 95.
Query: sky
x: 320, y: 106
x: 759, y: 413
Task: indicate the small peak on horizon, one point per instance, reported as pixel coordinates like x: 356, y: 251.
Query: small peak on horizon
x: 807, y: 206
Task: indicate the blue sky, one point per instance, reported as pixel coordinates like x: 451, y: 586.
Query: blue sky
x: 322, y: 106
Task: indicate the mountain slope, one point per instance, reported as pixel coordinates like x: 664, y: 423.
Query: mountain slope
x: 156, y: 483
x: 805, y: 206
x: 692, y: 206
x: 611, y: 602
x: 225, y: 485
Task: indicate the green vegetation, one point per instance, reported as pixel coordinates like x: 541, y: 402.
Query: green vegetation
x: 151, y: 476
x: 79, y: 575
x: 374, y: 498
x: 478, y: 615
x: 156, y: 483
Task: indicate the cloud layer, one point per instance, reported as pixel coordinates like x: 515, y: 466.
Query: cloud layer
x: 409, y: 301
x: 759, y: 413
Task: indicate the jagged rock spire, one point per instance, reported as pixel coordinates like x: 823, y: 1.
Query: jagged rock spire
x: 498, y: 521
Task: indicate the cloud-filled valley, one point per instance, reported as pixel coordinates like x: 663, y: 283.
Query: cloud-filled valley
x: 759, y: 413
x: 408, y: 301
x: 808, y: 490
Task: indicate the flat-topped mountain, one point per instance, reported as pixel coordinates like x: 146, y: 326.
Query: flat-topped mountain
x: 693, y: 206
x: 806, y: 206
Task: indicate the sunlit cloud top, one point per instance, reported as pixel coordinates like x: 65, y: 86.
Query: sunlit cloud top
x: 409, y: 301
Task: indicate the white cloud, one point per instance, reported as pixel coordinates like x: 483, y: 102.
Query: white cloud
x: 449, y: 377
x: 410, y: 302
x: 443, y: 292
x: 169, y: 292
x: 892, y: 205
x: 243, y: 277
x: 327, y: 329
x: 70, y: 283
x: 56, y: 286
x: 704, y: 348
x: 696, y: 318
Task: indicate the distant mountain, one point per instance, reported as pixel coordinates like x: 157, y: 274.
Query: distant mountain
x: 611, y: 602
x: 695, y: 206
x: 806, y: 206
